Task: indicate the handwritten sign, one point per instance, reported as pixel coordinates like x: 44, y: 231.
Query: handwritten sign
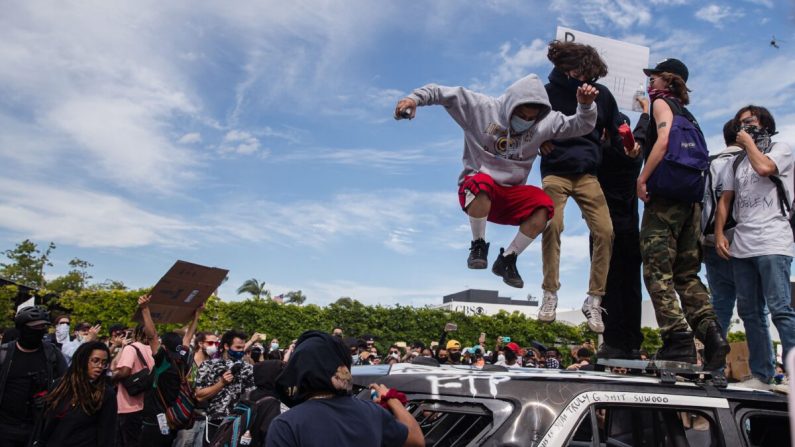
x: 182, y: 290
x: 625, y: 64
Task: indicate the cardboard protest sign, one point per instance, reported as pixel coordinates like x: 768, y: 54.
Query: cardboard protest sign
x: 182, y: 290
x: 625, y: 63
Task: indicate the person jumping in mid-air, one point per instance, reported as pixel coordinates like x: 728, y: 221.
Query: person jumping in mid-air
x: 502, y: 137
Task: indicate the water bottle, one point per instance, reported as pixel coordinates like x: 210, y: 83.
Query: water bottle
x: 162, y: 422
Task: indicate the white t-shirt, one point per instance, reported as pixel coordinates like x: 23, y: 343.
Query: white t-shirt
x: 761, y: 228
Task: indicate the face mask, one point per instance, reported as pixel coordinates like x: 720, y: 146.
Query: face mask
x: 256, y: 354
x: 274, y: 346
x: 574, y: 83
x: 211, y: 350
x: 62, y: 332
x: 519, y: 125
x: 761, y: 137
x: 236, y: 355
x: 30, y: 338
x: 442, y: 359
x: 455, y: 357
x: 655, y: 93
x: 500, y: 358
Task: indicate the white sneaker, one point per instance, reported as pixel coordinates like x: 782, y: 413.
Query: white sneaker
x: 593, y: 312
x: 547, y: 311
x: 754, y: 384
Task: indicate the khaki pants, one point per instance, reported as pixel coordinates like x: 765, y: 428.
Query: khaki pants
x: 588, y: 195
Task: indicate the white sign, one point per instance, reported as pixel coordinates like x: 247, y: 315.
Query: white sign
x: 625, y: 64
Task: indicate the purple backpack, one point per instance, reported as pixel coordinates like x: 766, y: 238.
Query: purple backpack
x: 680, y: 175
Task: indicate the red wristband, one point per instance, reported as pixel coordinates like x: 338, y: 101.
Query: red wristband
x: 393, y: 394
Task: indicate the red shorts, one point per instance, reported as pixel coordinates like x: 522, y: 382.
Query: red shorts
x: 510, y: 205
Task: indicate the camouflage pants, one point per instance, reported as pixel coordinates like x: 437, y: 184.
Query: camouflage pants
x: 671, y: 261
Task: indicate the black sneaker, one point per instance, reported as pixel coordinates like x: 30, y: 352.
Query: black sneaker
x: 478, y: 254
x: 505, y: 266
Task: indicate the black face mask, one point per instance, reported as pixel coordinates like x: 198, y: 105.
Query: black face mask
x: 30, y: 338
x: 455, y: 357
x: 761, y: 137
x: 443, y: 359
x: 256, y: 354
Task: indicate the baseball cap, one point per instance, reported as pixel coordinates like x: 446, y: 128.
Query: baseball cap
x: 513, y: 347
x: 671, y: 65
x: 453, y: 344
x: 82, y: 326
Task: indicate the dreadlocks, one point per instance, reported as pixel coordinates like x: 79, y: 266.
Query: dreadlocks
x: 76, y: 386
x: 568, y: 56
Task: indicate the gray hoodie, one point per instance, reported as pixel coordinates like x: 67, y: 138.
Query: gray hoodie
x: 488, y: 145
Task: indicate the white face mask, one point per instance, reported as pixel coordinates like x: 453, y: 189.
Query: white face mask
x: 519, y: 125
x: 62, y: 332
x: 211, y: 350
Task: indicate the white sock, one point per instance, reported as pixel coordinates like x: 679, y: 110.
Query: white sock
x: 519, y: 243
x: 478, y: 225
x: 593, y: 300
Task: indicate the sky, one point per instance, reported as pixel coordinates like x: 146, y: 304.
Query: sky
x: 258, y: 137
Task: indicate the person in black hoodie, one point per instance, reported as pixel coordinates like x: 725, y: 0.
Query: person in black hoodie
x: 568, y: 169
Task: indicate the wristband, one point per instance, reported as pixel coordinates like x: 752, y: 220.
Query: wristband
x: 393, y: 394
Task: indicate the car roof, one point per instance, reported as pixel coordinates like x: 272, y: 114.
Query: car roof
x: 414, y: 375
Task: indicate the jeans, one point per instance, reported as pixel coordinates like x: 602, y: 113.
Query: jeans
x: 192, y: 437
x: 720, y: 278
x: 764, y: 280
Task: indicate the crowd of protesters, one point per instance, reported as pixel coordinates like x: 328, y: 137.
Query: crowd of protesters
x: 68, y: 388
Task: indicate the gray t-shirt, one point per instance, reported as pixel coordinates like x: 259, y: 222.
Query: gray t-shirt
x: 761, y: 228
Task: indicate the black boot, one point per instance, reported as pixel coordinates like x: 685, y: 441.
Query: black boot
x: 478, y: 254
x: 677, y: 347
x: 715, y: 347
x: 505, y: 266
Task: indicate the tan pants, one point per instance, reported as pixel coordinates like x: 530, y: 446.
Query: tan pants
x: 588, y: 195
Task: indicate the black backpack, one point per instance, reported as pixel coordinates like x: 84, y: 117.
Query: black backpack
x: 246, y: 418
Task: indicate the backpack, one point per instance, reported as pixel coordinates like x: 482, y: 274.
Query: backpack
x: 141, y: 381
x: 680, y: 174
x: 713, y: 193
x: 243, y: 421
x: 783, y: 203
x: 180, y: 413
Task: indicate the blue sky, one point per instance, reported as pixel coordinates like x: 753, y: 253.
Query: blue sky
x: 259, y: 137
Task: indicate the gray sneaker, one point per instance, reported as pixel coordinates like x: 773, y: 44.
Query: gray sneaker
x: 593, y: 312
x: 547, y: 311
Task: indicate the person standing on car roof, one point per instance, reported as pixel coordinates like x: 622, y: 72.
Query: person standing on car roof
x: 669, y: 235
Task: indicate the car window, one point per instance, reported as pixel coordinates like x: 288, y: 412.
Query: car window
x: 450, y: 424
x: 763, y: 429
x: 625, y: 426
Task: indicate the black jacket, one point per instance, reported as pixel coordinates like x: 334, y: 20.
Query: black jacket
x: 618, y: 174
x: 579, y: 155
x: 56, y: 363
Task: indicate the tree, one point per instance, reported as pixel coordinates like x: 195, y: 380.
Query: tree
x: 255, y: 288
x: 27, y: 264
x: 296, y: 297
x: 76, y: 279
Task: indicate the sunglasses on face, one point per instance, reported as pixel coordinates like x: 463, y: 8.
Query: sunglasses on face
x: 211, y: 343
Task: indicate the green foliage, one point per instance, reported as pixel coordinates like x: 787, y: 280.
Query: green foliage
x: 296, y: 297
x: 735, y: 337
x: 254, y: 288
x: 75, y: 280
x: 651, y: 340
x: 8, y: 296
x: 27, y: 264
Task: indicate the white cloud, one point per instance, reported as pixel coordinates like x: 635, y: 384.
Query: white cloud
x: 84, y: 218
x: 765, y: 3
x: 239, y: 142
x: 512, y: 65
x: 603, y: 14
x: 190, y: 138
x: 409, y: 216
x: 718, y: 15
